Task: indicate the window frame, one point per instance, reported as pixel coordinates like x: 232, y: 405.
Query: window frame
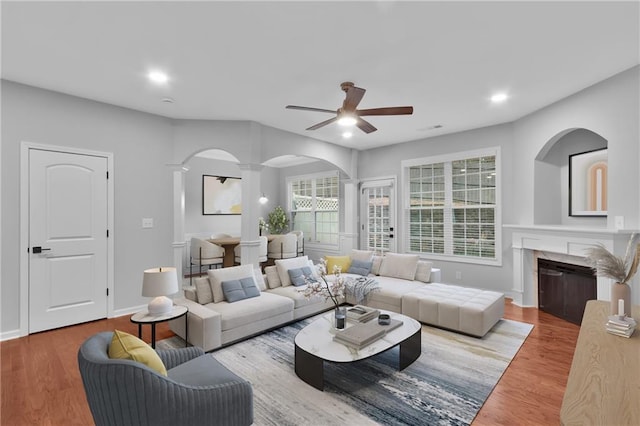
x: 449, y: 207
x: 314, y: 177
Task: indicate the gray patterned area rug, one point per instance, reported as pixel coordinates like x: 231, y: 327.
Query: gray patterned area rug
x: 447, y: 385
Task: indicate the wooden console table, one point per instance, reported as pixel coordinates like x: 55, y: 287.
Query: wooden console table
x: 604, y: 381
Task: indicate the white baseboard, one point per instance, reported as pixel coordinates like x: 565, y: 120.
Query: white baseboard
x: 8, y: 335
x: 127, y: 311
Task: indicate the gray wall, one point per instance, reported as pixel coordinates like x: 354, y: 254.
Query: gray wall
x: 385, y: 161
x: 141, y: 146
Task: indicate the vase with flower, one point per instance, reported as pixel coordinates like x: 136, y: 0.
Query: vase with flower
x: 620, y: 269
x: 336, y: 288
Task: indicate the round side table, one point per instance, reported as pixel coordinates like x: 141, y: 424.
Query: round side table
x: 143, y: 317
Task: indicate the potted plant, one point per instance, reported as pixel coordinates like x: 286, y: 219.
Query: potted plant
x: 278, y: 221
x: 620, y: 269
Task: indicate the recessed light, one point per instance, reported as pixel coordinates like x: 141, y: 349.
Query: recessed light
x: 347, y: 135
x: 158, y: 77
x: 499, y: 97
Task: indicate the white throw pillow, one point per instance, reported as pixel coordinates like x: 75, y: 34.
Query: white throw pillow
x: 363, y: 255
x: 423, y: 271
x: 283, y: 265
x: 273, y: 280
x: 203, y: 290
x: 216, y: 276
x: 401, y: 266
x: 259, y: 279
x: 375, y: 267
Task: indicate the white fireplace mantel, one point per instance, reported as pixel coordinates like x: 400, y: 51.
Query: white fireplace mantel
x: 560, y: 243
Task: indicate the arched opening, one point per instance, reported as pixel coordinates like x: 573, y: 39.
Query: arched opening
x: 551, y: 180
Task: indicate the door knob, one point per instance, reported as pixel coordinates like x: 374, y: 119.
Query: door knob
x: 38, y: 249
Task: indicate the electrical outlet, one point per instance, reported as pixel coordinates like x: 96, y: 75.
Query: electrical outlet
x: 458, y: 275
x: 147, y: 222
x: 619, y: 222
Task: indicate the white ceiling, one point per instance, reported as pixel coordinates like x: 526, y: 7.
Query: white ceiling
x: 247, y: 60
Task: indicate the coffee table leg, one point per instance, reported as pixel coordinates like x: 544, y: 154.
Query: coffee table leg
x: 309, y: 368
x: 410, y: 350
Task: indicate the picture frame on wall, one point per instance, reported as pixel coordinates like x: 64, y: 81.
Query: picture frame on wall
x: 221, y: 195
x: 588, y: 177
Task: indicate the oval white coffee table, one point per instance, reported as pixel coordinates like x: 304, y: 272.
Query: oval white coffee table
x: 314, y: 345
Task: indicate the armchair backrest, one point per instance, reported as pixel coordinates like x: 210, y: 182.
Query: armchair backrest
x: 203, y: 249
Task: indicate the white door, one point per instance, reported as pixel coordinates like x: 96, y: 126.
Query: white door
x: 67, y: 239
x: 377, y: 209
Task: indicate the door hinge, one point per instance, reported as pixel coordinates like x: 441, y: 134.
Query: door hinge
x: 107, y: 175
x: 107, y: 233
x: 107, y: 291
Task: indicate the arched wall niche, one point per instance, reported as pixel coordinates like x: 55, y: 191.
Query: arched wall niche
x: 551, y: 177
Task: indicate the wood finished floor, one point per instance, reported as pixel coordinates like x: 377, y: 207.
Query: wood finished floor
x: 40, y: 383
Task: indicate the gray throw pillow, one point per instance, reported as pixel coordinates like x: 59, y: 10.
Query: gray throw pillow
x: 241, y: 289
x: 360, y: 267
x: 301, y: 276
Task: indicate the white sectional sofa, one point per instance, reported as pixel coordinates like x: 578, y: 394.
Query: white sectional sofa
x: 405, y: 286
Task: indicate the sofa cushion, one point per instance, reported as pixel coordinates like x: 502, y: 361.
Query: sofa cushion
x: 126, y: 346
x: 203, y: 290
x: 257, y: 274
x: 423, y: 271
x: 204, y: 370
x: 273, y: 279
x: 254, y: 309
x: 216, y: 276
x: 375, y: 267
x: 283, y: 265
x: 301, y: 276
x: 391, y: 291
x: 363, y: 255
x: 343, y: 262
x: 397, y: 265
x: 243, y: 288
x: 295, y: 294
x: 360, y: 267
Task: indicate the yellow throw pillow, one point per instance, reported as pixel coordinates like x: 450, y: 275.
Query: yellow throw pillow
x: 342, y: 261
x: 125, y: 346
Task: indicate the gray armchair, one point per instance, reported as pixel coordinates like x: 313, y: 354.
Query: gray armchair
x: 197, y: 391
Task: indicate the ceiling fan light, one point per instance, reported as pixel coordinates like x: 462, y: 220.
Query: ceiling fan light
x: 347, y: 120
x: 347, y: 135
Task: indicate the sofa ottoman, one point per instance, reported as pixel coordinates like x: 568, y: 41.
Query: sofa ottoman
x: 467, y: 310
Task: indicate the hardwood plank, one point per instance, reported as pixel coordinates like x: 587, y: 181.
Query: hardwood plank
x: 40, y: 382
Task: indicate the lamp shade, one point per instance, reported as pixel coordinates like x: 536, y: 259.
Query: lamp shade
x: 159, y: 283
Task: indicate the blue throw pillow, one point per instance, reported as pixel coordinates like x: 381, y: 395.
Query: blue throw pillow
x: 301, y: 276
x: 243, y: 288
x: 360, y: 267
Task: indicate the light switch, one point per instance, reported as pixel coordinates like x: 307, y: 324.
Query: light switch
x: 619, y: 222
x: 147, y: 222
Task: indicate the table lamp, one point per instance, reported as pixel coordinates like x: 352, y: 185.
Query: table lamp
x: 159, y: 283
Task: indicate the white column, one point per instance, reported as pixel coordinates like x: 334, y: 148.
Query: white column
x: 349, y: 236
x: 179, y: 243
x: 249, y: 242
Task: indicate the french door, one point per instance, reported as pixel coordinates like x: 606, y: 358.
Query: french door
x: 377, y: 210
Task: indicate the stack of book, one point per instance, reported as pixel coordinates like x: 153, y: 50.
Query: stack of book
x: 360, y: 335
x: 621, y: 327
x: 362, y: 313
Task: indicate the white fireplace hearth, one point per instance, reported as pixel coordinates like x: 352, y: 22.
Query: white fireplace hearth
x: 562, y: 244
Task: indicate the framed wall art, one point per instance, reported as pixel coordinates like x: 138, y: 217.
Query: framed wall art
x: 588, y: 183
x: 221, y: 195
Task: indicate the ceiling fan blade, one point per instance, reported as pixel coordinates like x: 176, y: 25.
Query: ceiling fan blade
x: 324, y: 123
x: 403, y: 110
x: 303, y: 108
x: 353, y: 98
x: 365, y: 126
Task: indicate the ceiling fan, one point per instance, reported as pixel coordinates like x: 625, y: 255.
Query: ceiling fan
x: 349, y: 115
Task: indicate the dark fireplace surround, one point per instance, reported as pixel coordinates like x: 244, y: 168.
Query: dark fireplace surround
x: 564, y: 289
